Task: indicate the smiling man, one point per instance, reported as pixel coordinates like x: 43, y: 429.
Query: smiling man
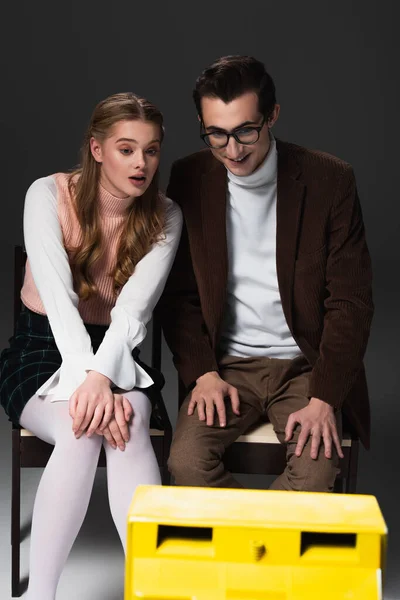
x: 268, y: 306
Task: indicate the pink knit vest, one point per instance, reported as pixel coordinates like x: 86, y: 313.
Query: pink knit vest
x: 112, y: 212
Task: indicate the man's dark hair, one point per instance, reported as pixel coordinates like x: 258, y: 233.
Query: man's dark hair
x: 231, y: 76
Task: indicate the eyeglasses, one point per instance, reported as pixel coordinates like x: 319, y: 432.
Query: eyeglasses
x: 219, y: 138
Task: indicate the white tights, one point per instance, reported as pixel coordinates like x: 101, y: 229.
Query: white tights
x: 65, y: 487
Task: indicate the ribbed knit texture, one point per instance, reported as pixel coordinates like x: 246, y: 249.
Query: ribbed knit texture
x: 112, y: 212
x: 254, y: 323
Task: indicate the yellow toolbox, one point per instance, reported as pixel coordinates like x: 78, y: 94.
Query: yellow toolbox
x: 218, y: 544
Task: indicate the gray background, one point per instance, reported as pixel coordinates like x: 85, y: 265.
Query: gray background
x: 335, y: 68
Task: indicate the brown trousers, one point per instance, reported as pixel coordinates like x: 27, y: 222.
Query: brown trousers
x: 269, y: 389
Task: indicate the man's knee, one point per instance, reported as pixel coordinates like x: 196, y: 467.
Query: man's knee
x: 308, y: 475
x: 190, y: 464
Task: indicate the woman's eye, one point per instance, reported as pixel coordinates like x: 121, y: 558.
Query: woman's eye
x: 126, y: 151
x: 152, y: 151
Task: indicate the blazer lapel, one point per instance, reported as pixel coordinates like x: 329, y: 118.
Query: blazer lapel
x: 213, y: 195
x: 289, y: 208
x: 213, y: 219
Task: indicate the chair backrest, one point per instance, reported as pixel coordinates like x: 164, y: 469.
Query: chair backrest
x: 156, y: 354
x: 19, y: 269
x: 156, y: 341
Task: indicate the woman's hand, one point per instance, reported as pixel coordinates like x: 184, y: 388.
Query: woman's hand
x: 117, y: 431
x: 92, y: 404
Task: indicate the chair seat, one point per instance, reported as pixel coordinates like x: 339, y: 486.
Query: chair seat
x: 265, y: 434
x: 260, y: 434
x: 153, y: 433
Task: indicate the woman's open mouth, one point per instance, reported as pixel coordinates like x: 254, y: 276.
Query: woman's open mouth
x: 138, y: 180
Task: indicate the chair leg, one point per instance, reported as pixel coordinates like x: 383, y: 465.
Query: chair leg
x: 351, y: 480
x: 165, y: 474
x: 338, y: 487
x: 15, y: 514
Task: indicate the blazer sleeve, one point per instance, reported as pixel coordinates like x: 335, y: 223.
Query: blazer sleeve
x: 179, y: 308
x: 348, y: 304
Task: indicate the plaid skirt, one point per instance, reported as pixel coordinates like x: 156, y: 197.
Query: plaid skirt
x: 33, y: 357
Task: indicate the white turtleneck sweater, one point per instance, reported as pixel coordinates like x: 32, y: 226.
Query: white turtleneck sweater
x: 254, y: 323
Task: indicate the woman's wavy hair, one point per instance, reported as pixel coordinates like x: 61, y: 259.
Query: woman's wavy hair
x: 145, y: 219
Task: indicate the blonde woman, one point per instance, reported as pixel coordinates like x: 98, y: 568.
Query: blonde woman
x: 100, y: 243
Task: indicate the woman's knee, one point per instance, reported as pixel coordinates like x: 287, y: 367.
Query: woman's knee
x: 80, y: 447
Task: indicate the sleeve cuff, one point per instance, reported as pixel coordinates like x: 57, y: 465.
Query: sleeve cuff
x: 68, y: 378
x: 114, y: 360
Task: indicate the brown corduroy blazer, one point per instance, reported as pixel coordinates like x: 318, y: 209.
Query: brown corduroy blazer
x: 323, y: 267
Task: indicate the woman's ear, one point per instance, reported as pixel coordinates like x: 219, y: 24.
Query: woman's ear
x: 95, y: 148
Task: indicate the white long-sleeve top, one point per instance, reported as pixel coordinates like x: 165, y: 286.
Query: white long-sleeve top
x: 49, y: 265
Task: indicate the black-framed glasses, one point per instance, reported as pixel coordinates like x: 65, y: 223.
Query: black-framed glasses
x: 243, y: 135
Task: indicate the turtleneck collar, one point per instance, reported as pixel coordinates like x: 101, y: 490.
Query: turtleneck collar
x: 265, y: 174
x: 111, y: 206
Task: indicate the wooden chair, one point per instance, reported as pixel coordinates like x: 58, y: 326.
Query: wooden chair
x: 259, y: 452
x: 30, y: 451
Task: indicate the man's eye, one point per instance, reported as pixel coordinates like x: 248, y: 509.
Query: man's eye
x: 244, y: 131
x: 218, y: 134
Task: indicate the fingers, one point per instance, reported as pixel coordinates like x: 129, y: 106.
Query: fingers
x: 72, y: 405
x: 290, y: 425
x: 213, y: 400
x: 92, y: 419
x: 77, y: 411
x: 320, y: 427
x: 80, y: 414
x: 220, y: 407
x: 234, y: 396
x: 315, y: 443
x: 113, y: 435
x: 120, y: 417
x: 86, y: 421
x: 206, y: 410
x: 108, y: 413
x: 128, y: 410
x: 303, y: 437
x: 210, y: 412
x: 201, y: 409
x: 91, y: 405
x: 117, y: 434
x: 95, y: 422
x: 107, y: 434
x: 326, y: 434
x: 330, y: 434
x: 336, y: 441
x: 192, y: 404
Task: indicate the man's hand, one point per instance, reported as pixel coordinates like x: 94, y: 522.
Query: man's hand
x: 117, y: 431
x: 91, y: 405
x: 210, y: 392
x: 318, y: 420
